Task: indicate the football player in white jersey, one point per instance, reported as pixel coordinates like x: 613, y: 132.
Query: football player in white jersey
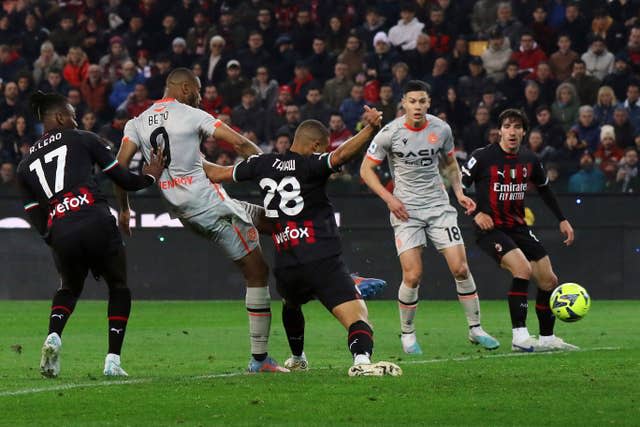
x: 414, y: 144
x: 175, y: 124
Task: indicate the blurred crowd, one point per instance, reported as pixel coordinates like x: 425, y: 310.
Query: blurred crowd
x: 573, y: 67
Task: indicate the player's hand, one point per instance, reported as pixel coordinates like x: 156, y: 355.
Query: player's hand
x: 397, y: 208
x: 123, y: 222
x: 467, y: 203
x: 484, y: 221
x: 567, y: 230
x: 155, y: 165
x: 372, y: 117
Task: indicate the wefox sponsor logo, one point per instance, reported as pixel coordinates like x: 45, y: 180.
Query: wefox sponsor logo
x: 291, y: 234
x: 70, y: 202
x: 179, y: 181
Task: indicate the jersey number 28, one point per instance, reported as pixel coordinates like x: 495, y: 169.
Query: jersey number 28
x: 291, y: 202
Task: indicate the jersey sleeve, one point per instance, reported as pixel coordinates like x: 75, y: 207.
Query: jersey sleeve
x: 471, y: 169
x: 247, y: 169
x: 320, y: 164
x: 448, y: 144
x: 37, y: 215
x: 538, y: 174
x: 205, y: 123
x: 131, y: 133
x: 380, y: 145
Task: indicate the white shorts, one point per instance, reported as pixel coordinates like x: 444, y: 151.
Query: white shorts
x: 439, y: 223
x: 229, y: 224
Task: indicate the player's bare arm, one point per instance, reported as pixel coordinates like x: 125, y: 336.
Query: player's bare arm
x: 452, y: 172
x: 353, y: 145
x: 241, y: 144
x: 369, y: 176
x: 127, y: 150
x: 217, y: 173
x: 483, y: 220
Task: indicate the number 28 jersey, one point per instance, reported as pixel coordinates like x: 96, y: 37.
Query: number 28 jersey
x: 294, y: 191
x: 178, y: 129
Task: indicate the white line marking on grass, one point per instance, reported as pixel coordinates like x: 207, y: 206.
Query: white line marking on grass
x: 72, y: 386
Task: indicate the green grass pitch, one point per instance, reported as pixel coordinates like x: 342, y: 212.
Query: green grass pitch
x: 186, y: 363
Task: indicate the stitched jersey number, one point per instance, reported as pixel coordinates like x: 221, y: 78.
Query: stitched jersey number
x: 36, y: 165
x: 453, y: 233
x: 153, y: 139
x: 291, y: 203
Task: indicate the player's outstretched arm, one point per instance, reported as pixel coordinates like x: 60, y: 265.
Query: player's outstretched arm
x: 369, y: 176
x: 127, y: 150
x: 452, y: 171
x: 217, y: 173
x: 353, y: 145
x: 241, y: 145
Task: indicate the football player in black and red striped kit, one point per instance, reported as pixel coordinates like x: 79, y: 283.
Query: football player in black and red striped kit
x: 308, y: 251
x: 63, y: 202
x: 502, y: 173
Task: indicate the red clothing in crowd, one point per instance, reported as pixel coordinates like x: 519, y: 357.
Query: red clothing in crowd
x: 336, y: 139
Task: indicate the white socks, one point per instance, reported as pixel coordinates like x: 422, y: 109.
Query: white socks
x: 468, y: 297
x: 407, y: 305
x: 258, y: 303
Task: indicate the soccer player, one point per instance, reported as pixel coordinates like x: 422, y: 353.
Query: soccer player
x: 308, y: 252
x: 176, y: 124
x: 414, y: 145
x: 501, y: 173
x: 66, y: 207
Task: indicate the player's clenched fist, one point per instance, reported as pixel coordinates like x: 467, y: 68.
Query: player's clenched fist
x: 372, y: 117
x: 484, y: 221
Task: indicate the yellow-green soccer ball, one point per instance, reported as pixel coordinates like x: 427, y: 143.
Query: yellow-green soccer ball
x: 570, y: 302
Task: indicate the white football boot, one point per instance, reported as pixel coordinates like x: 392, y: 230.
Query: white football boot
x: 50, y: 360
x: 112, y: 366
x: 297, y: 363
x: 377, y: 369
x: 553, y: 343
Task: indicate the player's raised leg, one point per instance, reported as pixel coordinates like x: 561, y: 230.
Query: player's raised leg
x: 547, y: 281
x: 468, y: 295
x: 258, y: 303
x: 293, y: 321
x: 411, y: 263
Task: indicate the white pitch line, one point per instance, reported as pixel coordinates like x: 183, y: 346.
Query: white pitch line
x: 236, y: 374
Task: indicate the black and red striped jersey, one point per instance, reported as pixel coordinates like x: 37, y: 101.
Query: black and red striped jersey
x: 294, y: 190
x: 501, y: 181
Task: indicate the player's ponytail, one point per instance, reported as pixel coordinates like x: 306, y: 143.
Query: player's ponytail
x: 41, y: 103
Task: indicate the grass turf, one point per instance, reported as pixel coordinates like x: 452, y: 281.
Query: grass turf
x: 186, y: 361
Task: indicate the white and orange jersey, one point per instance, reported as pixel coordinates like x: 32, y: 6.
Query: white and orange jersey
x: 178, y: 129
x: 413, y: 155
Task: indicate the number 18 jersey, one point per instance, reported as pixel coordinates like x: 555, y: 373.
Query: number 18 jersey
x: 294, y: 191
x: 178, y: 129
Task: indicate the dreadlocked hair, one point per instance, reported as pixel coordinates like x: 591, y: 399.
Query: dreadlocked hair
x: 41, y: 103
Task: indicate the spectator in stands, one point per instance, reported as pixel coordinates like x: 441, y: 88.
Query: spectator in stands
x: 511, y: 88
x: 546, y: 83
x: 531, y: 101
x: 336, y: 36
x: 632, y: 104
x: 94, y: 40
x: 265, y: 87
x: 483, y: 16
x: 441, y: 31
x: 65, y: 35
x: 302, y: 32
x: 315, y: 108
x: 576, y: 26
x: 302, y: 81
x: 404, y: 34
x: 292, y: 116
x: 54, y: 83
x: 231, y: 89
x: 168, y: 32
x: 400, y: 72
x: 94, y: 90
x: 420, y: 60
x: 89, y: 121
x: 275, y: 115
x: 457, y: 112
x: 266, y: 27
x: 254, y: 55
x: 510, y: 26
x: 212, y: 102
x: 114, y: 131
x: 48, y: 59
x: 625, y: 133
x: 542, y: 32
x: 386, y: 104
x: 586, y: 86
x: 619, y: 77
x: 137, y: 101
x: 551, y: 131
x: 32, y: 37
x: 198, y: 34
x: 373, y: 23
x: 338, y: 88
x: 215, y: 63
x: 496, y: 56
x: 565, y: 108
x: 458, y: 59
x: 75, y: 100
x: 352, y: 107
x: 248, y: 115
x: 353, y: 55
x: 136, y: 39
x: 588, y: 179
x: 612, y: 33
x: 382, y: 58
x: 179, y: 55
x: 320, y: 61
x: 76, y: 68
x: 538, y: 146
x: 439, y: 80
x: 475, y: 134
x: 282, y: 144
x: 338, y: 131
x: 470, y: 86
x: 529, y: 54
x: 631, y: 53
x: 284, y: 59
x: 598, y: 60
x: 568, y: 157
x: 561, y: 61
x: 587, y: 128
x: 10, y: 63
x: 7, y: 177
x: 10, y: 107
x: 112, y: 62
x: 606, y: 103
x: 123, y: 87
x: 627, y: 178
x: 608, y: 151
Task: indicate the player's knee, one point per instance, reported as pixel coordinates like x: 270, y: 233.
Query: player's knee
x: 411, y: 278
x: 550, y: 283
x: 523, y: 270
x: 460, y: 271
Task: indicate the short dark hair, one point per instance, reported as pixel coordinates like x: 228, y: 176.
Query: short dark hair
x: 514, y: 114
x: 42, y: 103
x: 415, y: 86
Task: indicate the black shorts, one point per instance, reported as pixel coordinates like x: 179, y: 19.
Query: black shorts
x: 326, y: 280
x: 499, y: 241
x: 89, y: 244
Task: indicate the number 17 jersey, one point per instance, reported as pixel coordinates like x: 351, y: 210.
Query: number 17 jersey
x: 294, y: 191
x: 178, y: 129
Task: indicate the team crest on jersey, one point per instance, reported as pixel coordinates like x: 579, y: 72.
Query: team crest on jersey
x: 525, y: 172
x: 512, y: 173
x: 372, y: 148
x: 498, y: 247
x: 404, y: 140
x: 433, y: 138
x: 252, y: 234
